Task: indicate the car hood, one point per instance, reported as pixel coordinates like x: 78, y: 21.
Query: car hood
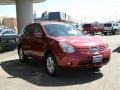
x: 81, y: 41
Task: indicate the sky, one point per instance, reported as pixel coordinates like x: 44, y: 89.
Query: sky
x: 82, y: 10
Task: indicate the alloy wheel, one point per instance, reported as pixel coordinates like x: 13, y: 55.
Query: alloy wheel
x: 50, y: 65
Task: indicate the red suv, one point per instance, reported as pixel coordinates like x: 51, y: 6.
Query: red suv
x: 60, y: 45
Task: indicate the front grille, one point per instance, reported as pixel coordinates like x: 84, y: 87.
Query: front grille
x: 92, y: 49
x: 84, y: 50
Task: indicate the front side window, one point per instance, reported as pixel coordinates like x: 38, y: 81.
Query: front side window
x: 62, y: 30
x: 37, y: 28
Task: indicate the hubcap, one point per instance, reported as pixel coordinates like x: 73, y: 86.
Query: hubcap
x: 21, y: 54
x: 50, y: 65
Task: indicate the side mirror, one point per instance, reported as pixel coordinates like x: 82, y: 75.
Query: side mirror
x: 39, y: 35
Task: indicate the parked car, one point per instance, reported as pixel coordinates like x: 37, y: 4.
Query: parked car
x: 91, y: 28
x: 111, y: 27
x: 7, y: 35
x: 57, y: 16
x: 60, y: 45
x: 4, y: 27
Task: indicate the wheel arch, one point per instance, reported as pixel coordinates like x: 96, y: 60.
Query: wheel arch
x: 47, y: 51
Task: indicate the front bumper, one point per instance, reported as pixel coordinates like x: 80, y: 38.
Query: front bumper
x: 78, y: 60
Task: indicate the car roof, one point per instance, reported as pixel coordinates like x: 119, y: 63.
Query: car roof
x: 8, y: 30
x: 4, y: 27
x: 50, y: 22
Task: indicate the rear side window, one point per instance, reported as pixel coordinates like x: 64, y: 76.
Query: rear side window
x: 31, y: 29
x: 28, y: 30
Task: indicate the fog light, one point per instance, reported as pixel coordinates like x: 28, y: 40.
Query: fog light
x: 69, y: 63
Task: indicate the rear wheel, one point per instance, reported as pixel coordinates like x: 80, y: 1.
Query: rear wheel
x: 51, y: 65
x: 22, y: 57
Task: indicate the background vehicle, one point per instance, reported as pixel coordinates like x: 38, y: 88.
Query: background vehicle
x: 56, y: 16
x: 60, y: 45
x: 7, y: 35
x: 4, y: 27
x: 1, y: 30
x: 113, y: 28
x: 92, y: 28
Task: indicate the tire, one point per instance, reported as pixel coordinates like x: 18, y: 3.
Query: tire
x: 51, y: 65
x: 114, y: 32
x: 105, y: 33
x: 22, y: 57
x: 96, y: 68
x: 93, y: 33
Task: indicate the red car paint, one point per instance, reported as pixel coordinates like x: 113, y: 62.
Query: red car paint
x: 37, y: 45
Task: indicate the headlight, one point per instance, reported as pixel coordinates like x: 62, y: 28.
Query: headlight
x: 67, y: 48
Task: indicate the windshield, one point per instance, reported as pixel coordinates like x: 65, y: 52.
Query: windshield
x: 9, y: 32
x: 62, y: 30
x: 87, y: 25
x: 108, y: 24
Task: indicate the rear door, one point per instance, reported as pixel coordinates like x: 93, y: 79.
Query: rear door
x: 26, y: 39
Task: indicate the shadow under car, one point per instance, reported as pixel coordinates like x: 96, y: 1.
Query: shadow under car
x: 34, y: 72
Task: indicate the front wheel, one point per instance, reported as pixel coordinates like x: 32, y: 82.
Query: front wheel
x: 51, y: 65
x: 114, y: 32
x: 96, y: 68
x: 105, y: 33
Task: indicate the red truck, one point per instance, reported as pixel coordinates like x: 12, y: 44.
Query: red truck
x: 91, y: 28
